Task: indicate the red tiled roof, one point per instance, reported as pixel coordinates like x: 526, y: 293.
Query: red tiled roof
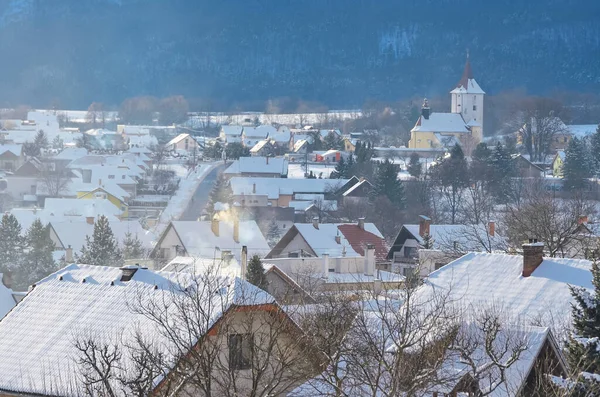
x: 359, y: 238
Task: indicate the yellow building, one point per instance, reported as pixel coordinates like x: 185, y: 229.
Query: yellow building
x: 439, y: 130
x: 116, y: 198
x: 557, y: 164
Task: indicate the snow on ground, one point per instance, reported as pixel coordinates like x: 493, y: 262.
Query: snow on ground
x: 296, y: 170
x: 179, y: 202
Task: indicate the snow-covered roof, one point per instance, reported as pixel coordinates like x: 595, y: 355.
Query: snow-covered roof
x: 71, y: 154
x: 262, y: 131
x: 109, y: 186
x: 11, y: 148
x: 231, y: 130
x: 101, y: 132
x: 582, y: 130
x: 259, y: 145
x: 441, y: 122
x: 299, y: 144
x: 281, y: 136
x: 78, y: 207
x: 199, y: 240
x: 258, y: 165
x: 324, y: 133
x: 178, y: 139
x: 7, y: 300
x: 273, y: 187
x: 462, y: 238
x: 74, y: 233
x: 478, y: 279
x: 40, y: 333
x: 471, y: 88
x: 223, y: 266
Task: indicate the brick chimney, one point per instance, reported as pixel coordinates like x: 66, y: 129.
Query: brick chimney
x: 244, y: 260
x: 370, y: 260
x: 236, y: 229
x: 361, y: 223
x: 424, y: 225
x: 338, y: 238
x: 89, y: 220
x: 582, y: 219
x: 316, y: 222
x: 492, y: 228
x: 267, y: 159
x: 214, y: 226
x: 533, y: 255
x: 69, y: 255
x: 254, y: 188
x: 325, y: 266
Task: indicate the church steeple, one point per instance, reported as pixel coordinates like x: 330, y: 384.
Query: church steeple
x: 467, y: 74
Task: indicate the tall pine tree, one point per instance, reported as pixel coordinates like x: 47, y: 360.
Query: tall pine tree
x: 11, y: 243
x: 220, y: 193
x: 256, y: 272
x: 387, y: 184
x: 577, y: 166
x: 132, y: 247
x: 503, y: 169
x: 414, y: 166
x: 273, y: 234
x: 37, y: 261
x: 340, y: 169
x: 102, y: 249
x: 583, y: 348
x: 452, y: 178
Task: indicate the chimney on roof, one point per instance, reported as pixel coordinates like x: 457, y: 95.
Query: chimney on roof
x: 244, y: 259
x: 533, y: 255
x: 69, y: 254
x: 214, y: 225
x: 424, y: 225
x: 361, y: 223
x: 325, y: 266
x: 316, y: 222
x: 99, y: 182
x: 582, y: 219
x: 370, y: 260
x: 236, y: 229
x: 425, y: 109
x: 89, y: 220
x: 254, y: 188
x: 492, y: 228
x: 128, y: 271
x: 338, y: 238
x: 267, y: 159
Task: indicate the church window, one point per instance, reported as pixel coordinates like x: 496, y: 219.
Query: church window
x: 474, y: 108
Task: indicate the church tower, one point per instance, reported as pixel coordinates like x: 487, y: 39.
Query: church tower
x: 467, y: 99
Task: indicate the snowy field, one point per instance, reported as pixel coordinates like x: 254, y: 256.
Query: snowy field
x: 179, y: 202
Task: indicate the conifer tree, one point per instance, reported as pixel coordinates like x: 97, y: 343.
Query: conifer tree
x: 387, y: 184
x: 502, y: 170
x: 583, y: 347
x: 11, y: 243
x: 273, y: 234
x: 451, y: 176
x: 37, y: 261
x: 132, y: 247
x: 427, y: 241
x: 256, y: 272
x: 414, y: 166
x: 220, y: 193
x: 595, y: 150
x: 577, y: 165
x: 102, y: 249
x: 350, y: 167
x: 340, y: 169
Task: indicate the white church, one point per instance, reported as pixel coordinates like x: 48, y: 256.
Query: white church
x: 463, y: 125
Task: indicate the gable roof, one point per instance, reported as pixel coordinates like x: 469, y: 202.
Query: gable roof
x: 273, y: 187
x: 467, y: 83
x: 441, y: 122
x: 232, y: 130
x: 71, y: 154
x: 179, y: 138
x: 199, y: 240
x: 11, y: 148
x: 484, y: 279
x: 39, y: 334
x: 258, y: 165
x: 262, y: 131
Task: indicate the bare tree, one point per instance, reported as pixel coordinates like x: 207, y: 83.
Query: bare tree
x: 55, y: 180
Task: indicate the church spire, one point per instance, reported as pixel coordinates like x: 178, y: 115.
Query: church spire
x: 467, y: 74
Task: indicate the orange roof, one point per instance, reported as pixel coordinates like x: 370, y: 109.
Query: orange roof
x: 359, y: 238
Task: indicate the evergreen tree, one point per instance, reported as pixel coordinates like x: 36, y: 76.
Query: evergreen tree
x: 414, y: 166
x: 387, y: 184
x: 583, y: 347
x: 577, y: 165
x: 37, y: 261
x: 11, y: 243
x: 427, y: 242
x: 220, y: 193
x: 502, y: 170
x: 41, y: 140
x: 256, y: 272
x: 102, y: 249
x: 481, y: 167
x: 332, y: 141
x: 132, y: 247
x: 595, y: 152
x: 273, y: 234
x: 451, y: 176
x: 340, y: 169
x: 350, y: 167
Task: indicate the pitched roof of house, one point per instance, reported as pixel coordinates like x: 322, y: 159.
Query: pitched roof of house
x: 179, y: 138
x: 462, y: 238
x: 11, y: 148
x: 299, y: 144
x: 467, y: 83
x: 74, y: 232
x: 71, y: 212
x: 72, y: 153
x: 262, y: 131
x: 232, y: 130
x: 478, y: 279
x: 199, y: 240
x: 225, y: 267
x: 441, y: 122
x: 352, y: 243
x: 258, y: 165
x: 259, y: 145
x: 38, y: 352
x: 273, y: 187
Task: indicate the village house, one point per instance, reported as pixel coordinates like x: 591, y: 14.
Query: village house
x: 281, y: 192
x: 231, y: 133
x: 210, y: 239
x: 557, y: 164
x: 263, y: 148
x: 424, y: 247
x: 11, y: 157
x: 252, y: 135
x: 183, y: 143
x: 259, y: 167
x: 525, y: 168
x: 464, y: 122
x: 82, y: 304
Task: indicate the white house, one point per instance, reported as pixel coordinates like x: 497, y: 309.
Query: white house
x: 256, y: 166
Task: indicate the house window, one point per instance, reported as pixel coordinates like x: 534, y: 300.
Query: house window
x: 408, y: 271
x: 111, y: 177
x: 410, y: 252
x: 474, y: 108
x: 293, y: 255
x: 164, y: 253
x: 565, y: 139
x: 240, y: 351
